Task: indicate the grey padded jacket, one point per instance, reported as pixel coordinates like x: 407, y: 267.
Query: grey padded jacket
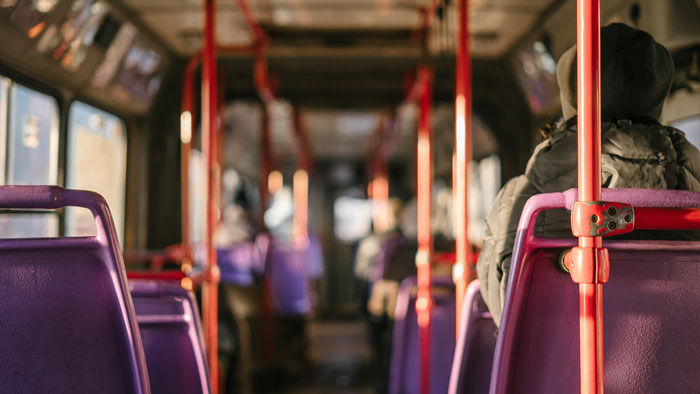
x: 637, y: 152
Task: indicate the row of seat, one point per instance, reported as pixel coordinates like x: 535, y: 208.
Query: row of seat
x: 70, y: 323
x: 651, y: 316
x: 291, y: 269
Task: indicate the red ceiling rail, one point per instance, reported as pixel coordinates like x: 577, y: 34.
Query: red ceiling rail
x: 255, y: 29
x: 425, y: 236
x: 462, y: 272
x: 590, y: 254
x: 427, y: 15
x: 209, y: 151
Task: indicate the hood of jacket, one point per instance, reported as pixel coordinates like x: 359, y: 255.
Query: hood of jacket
x: 636, y: 74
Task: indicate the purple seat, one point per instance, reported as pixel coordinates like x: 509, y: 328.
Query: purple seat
x: 651, y: 309
x: 405, y: 366
x: 66, y: 316
x: 471, y: 367
x: 238, y: 263
x: 315, y: 256
x: 172, y: 337
x: 290, y: 279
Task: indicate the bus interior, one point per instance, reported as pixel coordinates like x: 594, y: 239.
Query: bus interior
x: 257, y: 158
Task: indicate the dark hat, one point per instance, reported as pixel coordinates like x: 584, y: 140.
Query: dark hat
x: 636, y: 74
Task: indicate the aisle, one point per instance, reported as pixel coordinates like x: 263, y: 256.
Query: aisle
x: 341, y: 357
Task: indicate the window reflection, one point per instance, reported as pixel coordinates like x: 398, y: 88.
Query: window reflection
x: 139, y: 73
x: 29, y: 15
x: 108, y: 68
x: 69, y: 44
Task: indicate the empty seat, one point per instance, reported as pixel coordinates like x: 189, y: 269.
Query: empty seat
x: 239, y: 263
x: 471, y: 368
x: 405, y: 358
x: 651, y: 309
x: 67, y: 323
x: 290, y: 279
x: 172, y: 337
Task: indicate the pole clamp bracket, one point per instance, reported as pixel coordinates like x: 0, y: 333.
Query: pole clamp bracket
x: 422, y: 258
x: 588, y: 265
x: 601, y: 218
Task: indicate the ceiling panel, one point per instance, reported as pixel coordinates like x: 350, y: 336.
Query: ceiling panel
x: 183, y: 31
x: 497, y: 24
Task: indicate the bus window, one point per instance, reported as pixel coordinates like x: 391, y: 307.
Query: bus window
x: 691, y: 127
x: 4, y: 87
x: 32, y: 155
x: 95, y: 161
x: 23, y: 225
x: 353, y: 217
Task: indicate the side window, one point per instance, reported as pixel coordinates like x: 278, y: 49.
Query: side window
x: 28, y: 154
x: 691, y: 127
x: 95, y: 161
x: 32, y: 154
x: 4, y: 91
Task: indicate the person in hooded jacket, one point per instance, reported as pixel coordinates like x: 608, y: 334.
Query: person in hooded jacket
x: 637, y: 151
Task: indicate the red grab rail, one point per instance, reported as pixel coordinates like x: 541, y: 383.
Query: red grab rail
x: 590, y: 256
x: 425, y: 236
x: 462, y: 272
x: 209, y: 151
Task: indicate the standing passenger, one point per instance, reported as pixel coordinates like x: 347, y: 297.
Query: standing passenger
x: 637, y: 151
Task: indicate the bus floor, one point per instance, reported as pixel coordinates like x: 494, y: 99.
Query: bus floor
x: 340, y: 360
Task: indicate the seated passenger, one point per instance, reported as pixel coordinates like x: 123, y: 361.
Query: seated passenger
x: 637, y: 151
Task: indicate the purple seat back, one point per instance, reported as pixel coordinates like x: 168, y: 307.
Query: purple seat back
x: 238, y: 263
x: 471, y: 367
x: 651, y: 309
x: 315, y: 256
x: 405, y: 360
x: 291, y: 287
x: 171, y: 332
x: 66, y: 316
x: 387, y: 249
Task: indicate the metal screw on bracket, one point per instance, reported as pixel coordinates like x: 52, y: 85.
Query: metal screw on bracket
x: 612, y: 211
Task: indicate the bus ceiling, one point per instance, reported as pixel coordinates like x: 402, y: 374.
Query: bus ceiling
x: 123, y: 53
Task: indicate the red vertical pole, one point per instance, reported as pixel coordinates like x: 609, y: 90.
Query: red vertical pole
x: 301, y: 181
x: 589, y: 188
x: 186, y: 135
x: 209, y: 150
x: 462, y: 272
x: 380, y: 179
x: 424, y: 158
